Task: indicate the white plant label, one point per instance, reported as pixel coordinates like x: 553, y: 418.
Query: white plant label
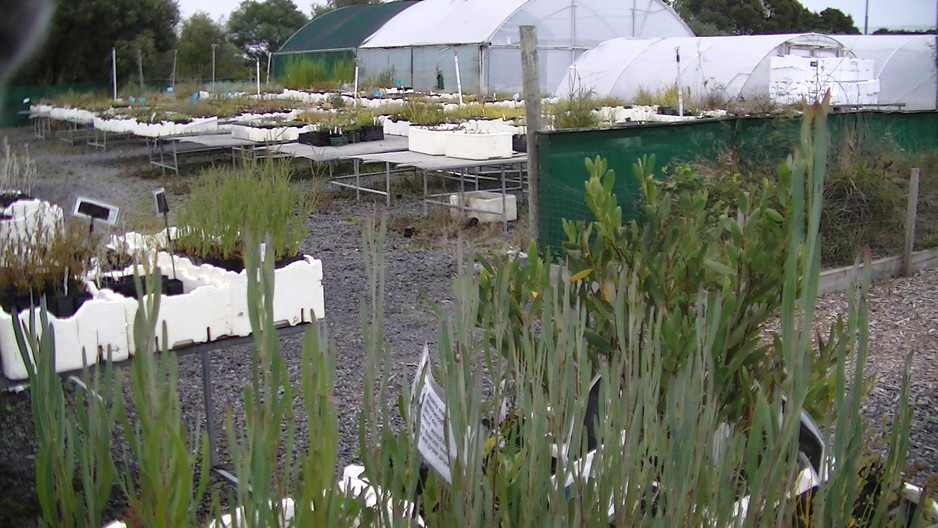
x: 431, y: 435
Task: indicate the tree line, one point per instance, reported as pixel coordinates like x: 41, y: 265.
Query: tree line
x: 149, y: 38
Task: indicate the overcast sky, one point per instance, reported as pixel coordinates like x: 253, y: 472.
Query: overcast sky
x: 896, y: 14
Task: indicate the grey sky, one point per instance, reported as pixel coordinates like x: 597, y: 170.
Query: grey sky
x: 896, y: 14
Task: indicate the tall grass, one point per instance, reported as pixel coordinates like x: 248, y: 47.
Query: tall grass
x: 173, y: 464
x: 261, y: 195
x: 305, y: 73
x: 17, y: 171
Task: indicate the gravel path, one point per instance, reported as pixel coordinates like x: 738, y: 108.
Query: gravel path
x: 903, y: 314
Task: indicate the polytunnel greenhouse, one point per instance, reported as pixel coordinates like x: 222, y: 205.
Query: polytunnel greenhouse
x: 905, y: 66
x: 333, y: 37
x: 785, y: 68
x: 421, y: 46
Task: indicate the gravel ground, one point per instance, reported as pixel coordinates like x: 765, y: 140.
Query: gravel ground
x: 903, y: 314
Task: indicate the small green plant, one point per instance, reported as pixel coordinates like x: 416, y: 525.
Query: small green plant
x: 173, y: 464
x: 576, y: 111
x: 421, y: 111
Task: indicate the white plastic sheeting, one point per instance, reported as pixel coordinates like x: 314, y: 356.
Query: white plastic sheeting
x: 904, y: 65
x: 737, y: 67
x: 420, y: 42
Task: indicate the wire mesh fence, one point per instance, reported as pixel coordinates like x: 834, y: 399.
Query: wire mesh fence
x: 866, y: 193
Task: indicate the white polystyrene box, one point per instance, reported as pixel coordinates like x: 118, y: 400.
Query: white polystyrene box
x: 431, y: 141
x: 478, y: 146
x: 396, y: 128
x: 69, y: 349
x: 298, y: 292
x: 198, y: 315
x: 203, y: 124
x: 487, y: 206
x: 102, y: 328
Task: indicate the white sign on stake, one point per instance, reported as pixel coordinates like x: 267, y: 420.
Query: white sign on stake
x: 433, y: 418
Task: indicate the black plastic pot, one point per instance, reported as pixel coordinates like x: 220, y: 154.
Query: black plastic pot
x: 8, y: 197
x: 353, y: 136
x: 61, y: 306
x: 236, y: 264
x: 337, y: 140
x: 519, y: 142
x: 125, y: 286
x: 372, y: 133
x: 315, y: 138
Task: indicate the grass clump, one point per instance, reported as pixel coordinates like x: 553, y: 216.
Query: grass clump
x: 17, y: 171
x: 261, y: 196
x: 44, y: 257
x: 575, y: 111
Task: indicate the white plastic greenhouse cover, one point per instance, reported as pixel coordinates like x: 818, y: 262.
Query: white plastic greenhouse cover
x: 904, y: 64
x: 736, y: 67
x: 442, y: 22
x: 417, y: 46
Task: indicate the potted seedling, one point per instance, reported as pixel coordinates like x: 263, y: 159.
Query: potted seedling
x: 45, y: 259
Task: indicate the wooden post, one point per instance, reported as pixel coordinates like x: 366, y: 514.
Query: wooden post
x: 140, y: 65
x: 910, y: 214
x: 530, y: 74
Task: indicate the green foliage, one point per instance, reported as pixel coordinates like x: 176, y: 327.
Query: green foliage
x: 260, y: 196
x: 261, y: 27
x: 421, y: 111
x: 269, y: 423
x: 305, y: 73
x: 173, y: 465
x: 17, y: 170
x: 78, y: 44
x: 665, y: 446
x: 55, y: 433
x: 45, y: 257
x: 198, y: 35
x: 751, y: 17
x: 575, y: 111
x: 332, y: 5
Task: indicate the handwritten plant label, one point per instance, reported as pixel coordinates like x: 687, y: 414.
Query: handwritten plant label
x: 433, y: 419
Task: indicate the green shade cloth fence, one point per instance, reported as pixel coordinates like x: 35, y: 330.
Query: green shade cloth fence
x: 14, y: 111
x: 760, y: 139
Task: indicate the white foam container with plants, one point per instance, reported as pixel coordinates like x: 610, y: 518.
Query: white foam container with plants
x: 298, y: 292
x: 486, y: 206
x: 71, y: 114
x: 169, y: 128
x: 115, y: 125
x: 267, y: 134
x: 478, y: 146
x: 396, y: 128
x: 198, y: 315
x: 80, y: 339
x: 429, y: 140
